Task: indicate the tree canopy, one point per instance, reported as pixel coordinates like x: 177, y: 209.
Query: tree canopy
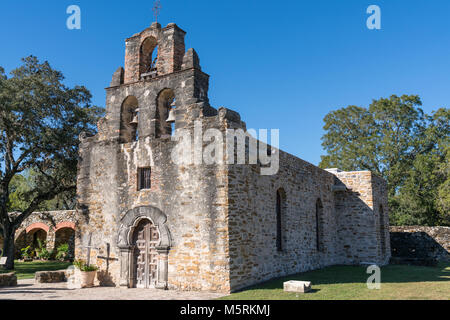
x: 395, y: 139
x: 40, y: 121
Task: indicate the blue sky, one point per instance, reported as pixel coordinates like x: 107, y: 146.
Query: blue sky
x: 281, y: 64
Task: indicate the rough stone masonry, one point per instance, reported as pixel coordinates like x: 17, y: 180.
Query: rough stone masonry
x: 222, y: 227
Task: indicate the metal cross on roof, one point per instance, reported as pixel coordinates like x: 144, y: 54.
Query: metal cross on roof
x: 157, y: 9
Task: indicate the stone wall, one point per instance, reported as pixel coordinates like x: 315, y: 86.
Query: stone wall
x: 420, y: 245
x: 360, y: 229
x: 350, y: 234
x: 53, y: 223
x: 8, y: 280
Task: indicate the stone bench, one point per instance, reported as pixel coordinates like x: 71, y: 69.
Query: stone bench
x: 51, y: 276
x: 8, y: 280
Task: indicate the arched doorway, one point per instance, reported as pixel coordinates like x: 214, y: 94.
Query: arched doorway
x: 146, y: 239
x: 126, y: 241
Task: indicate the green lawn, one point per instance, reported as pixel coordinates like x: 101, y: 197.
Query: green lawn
x: 349, y: 283
x: 26, y: 270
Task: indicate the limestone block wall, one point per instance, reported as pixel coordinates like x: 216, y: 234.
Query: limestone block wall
x: 252, y: 221
x: 359, y: 218
x: 193, y: 197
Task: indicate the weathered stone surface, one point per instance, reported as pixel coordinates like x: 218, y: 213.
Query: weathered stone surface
x: 297, y: 286
x: 8, y: 280
x: 50, y: 276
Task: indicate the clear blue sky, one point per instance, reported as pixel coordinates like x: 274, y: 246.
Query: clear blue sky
x: 281, y: 64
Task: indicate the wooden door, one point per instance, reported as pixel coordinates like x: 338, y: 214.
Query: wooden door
x: 146, y: 238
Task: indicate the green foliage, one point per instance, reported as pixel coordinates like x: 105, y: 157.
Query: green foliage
x: 62, y: 252
x: 82, y: 266
x: 40, y: 122
x: 21, y: 188
x: 26, y: 252
x: 396, y: 140
x: 41, y: 251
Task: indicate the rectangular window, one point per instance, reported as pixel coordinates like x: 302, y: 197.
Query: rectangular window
x: 144, y: 178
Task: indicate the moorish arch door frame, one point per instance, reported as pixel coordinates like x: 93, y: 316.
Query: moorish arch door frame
x: 127, y: 248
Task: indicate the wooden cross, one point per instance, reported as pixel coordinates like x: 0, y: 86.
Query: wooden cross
x: 89, y: 247
x: 108, y: 256
x: 157, y: 9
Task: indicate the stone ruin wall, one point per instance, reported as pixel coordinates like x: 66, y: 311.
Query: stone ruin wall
x: 421, y: 244
x: 50, y: 222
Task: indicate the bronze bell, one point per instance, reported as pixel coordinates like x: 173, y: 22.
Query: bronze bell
x: 135, y: 120
x: 171, y: 118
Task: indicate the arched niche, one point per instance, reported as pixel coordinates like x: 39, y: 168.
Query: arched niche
x: 129, y: 118
x: 280, y: 219
x: 319, y: 226
x: 164, y: 103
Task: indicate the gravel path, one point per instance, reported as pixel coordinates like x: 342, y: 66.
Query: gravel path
x: 28, y: 290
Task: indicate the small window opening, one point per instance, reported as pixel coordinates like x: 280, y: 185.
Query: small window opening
x: 144, y: 178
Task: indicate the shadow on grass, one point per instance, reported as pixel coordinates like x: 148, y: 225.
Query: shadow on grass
x: 357, y: 274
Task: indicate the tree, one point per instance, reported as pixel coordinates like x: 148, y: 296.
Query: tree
x: 40, y: 121
x: 20, y: 190
x: 396, y: 140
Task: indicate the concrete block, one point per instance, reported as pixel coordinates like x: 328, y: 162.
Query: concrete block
x: 297, y: 286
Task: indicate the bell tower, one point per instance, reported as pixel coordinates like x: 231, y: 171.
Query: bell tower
x: 162, y: 87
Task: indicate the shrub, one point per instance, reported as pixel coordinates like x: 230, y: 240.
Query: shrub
x: 41, y: 251
x: 62, y: 252
x: 26, y: 252
x: 82, y: 266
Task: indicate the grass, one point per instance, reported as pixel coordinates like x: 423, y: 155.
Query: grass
x: 398, y: 282
x: 26, y: 270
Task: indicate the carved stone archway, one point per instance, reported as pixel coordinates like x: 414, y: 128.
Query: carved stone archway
x: 126, y: 246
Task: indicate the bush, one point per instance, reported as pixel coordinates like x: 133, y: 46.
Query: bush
x: 26, y: 253
x: 41, y: 251
x: 62, y: 252
x: 82, y: 266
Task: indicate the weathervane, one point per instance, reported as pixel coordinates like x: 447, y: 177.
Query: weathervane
x: 157, y: 9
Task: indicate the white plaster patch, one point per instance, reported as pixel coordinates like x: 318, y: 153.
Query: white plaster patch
x: 113, y: 98
x: 147, y: 92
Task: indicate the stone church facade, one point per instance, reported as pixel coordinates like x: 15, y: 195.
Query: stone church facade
x: 220, y: 227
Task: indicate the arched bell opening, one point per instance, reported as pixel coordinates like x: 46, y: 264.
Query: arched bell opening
x: 148, y: 57
x: 165, y: 113
x: 129, y: 120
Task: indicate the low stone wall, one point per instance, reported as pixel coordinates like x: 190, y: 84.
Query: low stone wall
x: 420, y: 245
x: 50, y: 276
x: 8, y: 280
